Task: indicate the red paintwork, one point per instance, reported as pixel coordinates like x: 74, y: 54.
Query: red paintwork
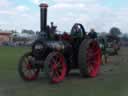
x: 93, y: 59
x: 66, y: 37
x: 43, y: 5
x: 54, y: 69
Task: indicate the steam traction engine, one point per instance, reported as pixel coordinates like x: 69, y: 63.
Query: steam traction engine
x: 113, y: 44
x: 57, y: 54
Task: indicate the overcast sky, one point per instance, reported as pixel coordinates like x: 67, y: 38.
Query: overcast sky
x: 98, y: 14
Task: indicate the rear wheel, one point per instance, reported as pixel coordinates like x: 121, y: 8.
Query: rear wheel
x: 89, y: 58
x: 55, y: 67
x: 25, y: 68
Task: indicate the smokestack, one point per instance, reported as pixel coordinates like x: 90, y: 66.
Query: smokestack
x: 43, y: 16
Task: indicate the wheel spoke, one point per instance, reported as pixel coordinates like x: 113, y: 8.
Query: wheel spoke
x: 54, y: 61
x: 55, y: 70
x: 32, y: 73
x: 28, y: 72
x: 90, y: 68
x: 54, y: 73
x: 57, y: 73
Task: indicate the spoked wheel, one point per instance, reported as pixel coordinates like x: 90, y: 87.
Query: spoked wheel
x: 55, y: 67
x: 89, y: 58
x: 25, y: 68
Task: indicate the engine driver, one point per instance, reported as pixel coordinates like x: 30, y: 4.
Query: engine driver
x: 92, y: 34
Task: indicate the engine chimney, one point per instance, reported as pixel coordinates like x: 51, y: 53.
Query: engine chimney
x: 43, y: 16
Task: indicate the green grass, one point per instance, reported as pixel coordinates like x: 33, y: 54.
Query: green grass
x: 106, y: 84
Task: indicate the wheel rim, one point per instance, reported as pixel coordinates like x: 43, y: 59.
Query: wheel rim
x: 93, y: 58
x: 28, y: 72
x: 57, y: 68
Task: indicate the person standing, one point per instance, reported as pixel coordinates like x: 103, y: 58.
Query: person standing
x: 92, y: 34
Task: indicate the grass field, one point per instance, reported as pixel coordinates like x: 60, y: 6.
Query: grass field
x: 112, y: 80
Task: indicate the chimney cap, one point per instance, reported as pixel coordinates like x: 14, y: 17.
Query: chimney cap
x: 43, y: 5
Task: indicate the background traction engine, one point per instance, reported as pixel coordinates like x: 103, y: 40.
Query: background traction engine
x: 57, y: 54
x: 113, y: 45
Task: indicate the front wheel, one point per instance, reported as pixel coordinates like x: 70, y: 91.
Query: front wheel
x: 55, y: 67
x: 89, y: 58
x: 26, y: 70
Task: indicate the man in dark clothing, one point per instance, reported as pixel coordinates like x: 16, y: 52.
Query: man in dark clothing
x: 92, y: 34
x: 53, y: 28
x: 52, y: 31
